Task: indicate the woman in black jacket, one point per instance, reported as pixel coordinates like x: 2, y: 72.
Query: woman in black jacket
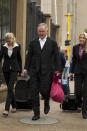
x: 12, y: 64
x: 79, y: 68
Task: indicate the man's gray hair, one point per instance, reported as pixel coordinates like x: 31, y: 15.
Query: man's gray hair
x: 43, y: 24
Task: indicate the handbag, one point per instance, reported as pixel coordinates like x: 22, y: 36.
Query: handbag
x: 56, y: 93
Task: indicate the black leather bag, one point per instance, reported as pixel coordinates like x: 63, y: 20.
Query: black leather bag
x: 22, y: 93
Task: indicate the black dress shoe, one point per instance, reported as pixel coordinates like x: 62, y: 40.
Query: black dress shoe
x: 35, y: 117
x: 46, y: 109
x: 84, y: 116
x: 78, y: 110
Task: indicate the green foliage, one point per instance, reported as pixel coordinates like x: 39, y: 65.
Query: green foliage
x: 4, y: 4
x: 85, y: 30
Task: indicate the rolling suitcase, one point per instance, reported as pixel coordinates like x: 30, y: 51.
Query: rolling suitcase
x: 69, y: 102
x: 22, y: 93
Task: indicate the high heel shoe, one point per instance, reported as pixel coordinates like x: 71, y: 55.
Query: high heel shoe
x: 5, y: 113
x: 13, y: 110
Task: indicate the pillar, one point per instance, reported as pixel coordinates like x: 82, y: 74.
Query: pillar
x: 21, y: 27
x: 48, y: 22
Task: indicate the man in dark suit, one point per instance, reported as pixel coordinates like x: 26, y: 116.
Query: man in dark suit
x: 42, y: 54
x: 79, y: 68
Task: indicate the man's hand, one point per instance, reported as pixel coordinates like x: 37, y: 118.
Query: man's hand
x: 57, y: 73
x: 24, y: 73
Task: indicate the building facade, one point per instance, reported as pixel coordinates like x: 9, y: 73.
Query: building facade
x: 22, y: 17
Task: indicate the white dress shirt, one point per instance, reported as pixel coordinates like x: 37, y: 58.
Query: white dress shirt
x: 10, y: 50
x: 42, y: 41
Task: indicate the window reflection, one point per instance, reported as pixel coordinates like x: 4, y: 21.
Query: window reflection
x: 4, y: 18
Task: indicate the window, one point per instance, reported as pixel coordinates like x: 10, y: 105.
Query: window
x: 4, y: 18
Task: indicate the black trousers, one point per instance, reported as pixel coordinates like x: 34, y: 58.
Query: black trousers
x: 39, y: 84
x: 10, y: 78
x: 81, y: 90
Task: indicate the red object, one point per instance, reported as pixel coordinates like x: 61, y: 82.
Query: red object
x: 56, y: 93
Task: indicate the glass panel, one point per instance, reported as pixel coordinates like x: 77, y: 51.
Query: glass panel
x: 5, y: 17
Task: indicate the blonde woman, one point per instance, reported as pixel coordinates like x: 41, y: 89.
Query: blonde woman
x: 12, y: 64
x: 79, y: 68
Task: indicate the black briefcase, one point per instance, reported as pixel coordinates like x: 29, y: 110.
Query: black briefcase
x: 22, y: 93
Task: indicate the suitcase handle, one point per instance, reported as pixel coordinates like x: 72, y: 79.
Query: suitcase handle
x: 25, y: 77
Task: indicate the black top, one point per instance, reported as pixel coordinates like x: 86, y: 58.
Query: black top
x: 79, y: 65
x: 14, y: 62
x: 42, y: 60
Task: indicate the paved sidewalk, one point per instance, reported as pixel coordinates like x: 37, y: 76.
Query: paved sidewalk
x: 67, y: 120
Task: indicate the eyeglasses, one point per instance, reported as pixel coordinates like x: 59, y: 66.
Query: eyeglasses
x: 82, y: 37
